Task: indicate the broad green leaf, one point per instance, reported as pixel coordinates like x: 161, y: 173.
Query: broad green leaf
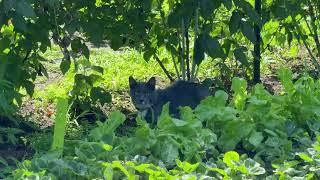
x: 256, y: 138
x: 305, y: 157
x: 142, y: 167
x: 116, y: 43
x: 231, y: 158
x: 51, y: 3
x: 105, y: 131
x: 108, y: 171
x: 115, y: 119
x: 186, y: 114
x: 65, y: 66
x: 281, y: 38
x: 24, y: 8
x: 207, y: 7
x: 221, y: 98
x: 248, y: 31
x: 272, y: 133
x: 241, y: 57
x: 227, y: 4
x: 148, y: 54
x: 289, y: 36
x: 231, y: 135
x: 187, y: 167
x: 249, y: 10
x: 4, y: 43
x: 179, y: 122
x: 239, y: 87
x: 98, y: 69
x: 85, y: 50
x: 221, y: 171
x: 253, y: 167
x: 80, y: 47
x: 214, y: 108
x: 169, y: 152
x: 29, y: 86
x: 226, y: 46
x: 101, y: 95
x: 213, y: 47
x: 235, y: 20
x: 19, y: 23
x: 117, y: 164
x: 285, y: 76
x: 164, y: 118
x: 8, y: 5
x: 174, y: 19
x: 198, y: 51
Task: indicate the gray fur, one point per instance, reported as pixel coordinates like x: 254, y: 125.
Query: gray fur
x: 181, y: 93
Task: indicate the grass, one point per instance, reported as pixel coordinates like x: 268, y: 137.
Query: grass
x: 118, y: 66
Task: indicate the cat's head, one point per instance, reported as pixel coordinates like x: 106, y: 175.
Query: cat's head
x: 142, y: 93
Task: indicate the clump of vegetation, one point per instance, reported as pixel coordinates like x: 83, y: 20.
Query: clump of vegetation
x: 191, y: 146
x: 65, y: 111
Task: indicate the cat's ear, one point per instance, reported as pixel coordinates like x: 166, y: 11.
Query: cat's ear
x: 132, y: 82
x: 152, y: 83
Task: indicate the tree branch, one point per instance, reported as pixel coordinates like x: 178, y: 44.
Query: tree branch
x: 193, y: 76
x: 163, y: 68
x: 182, y: 65
x: 26, y: 56
x: 257, y: 48
x: 186, y: 26
x: 175, y: 66
x: 314, y: 59
x: 314, y: 27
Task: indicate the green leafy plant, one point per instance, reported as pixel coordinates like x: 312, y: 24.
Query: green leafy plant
x: 191, y: 147
x: 236, y: 168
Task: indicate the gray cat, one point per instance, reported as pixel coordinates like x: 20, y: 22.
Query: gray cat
x: 146, y: 98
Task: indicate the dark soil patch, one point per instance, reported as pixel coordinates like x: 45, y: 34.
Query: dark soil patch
x: 272, y: 84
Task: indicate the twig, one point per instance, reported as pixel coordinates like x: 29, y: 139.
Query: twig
x: 163, y: 68
x: 314, y: 27
x: 27, y: 56
x: 187, y: 49
x: 182, y: 65
x: 314, y: 60
x: 175, y: 66
x: 193, y: 76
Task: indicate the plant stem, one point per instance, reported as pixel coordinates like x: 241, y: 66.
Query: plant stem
x: 314, y: 27
x: 175, y: 66
x: 187, y: 48
x: 182, y: 64
x: 163, y: 68
x: 194, y: 45
x: 314, y: 59
x: 257, y: 50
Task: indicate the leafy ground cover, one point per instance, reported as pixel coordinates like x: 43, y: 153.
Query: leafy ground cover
x: 248, y: 135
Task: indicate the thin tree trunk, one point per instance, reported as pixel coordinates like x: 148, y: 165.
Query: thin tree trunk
x: 175, y: 66
x: 186, y: 26
x: 257, y: 50
x: 182, y: 63
x: 314, y: 27
x: 163, y: 68
x: 194, y: 45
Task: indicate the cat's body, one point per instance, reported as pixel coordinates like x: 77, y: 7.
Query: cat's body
x: 181, y: 93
